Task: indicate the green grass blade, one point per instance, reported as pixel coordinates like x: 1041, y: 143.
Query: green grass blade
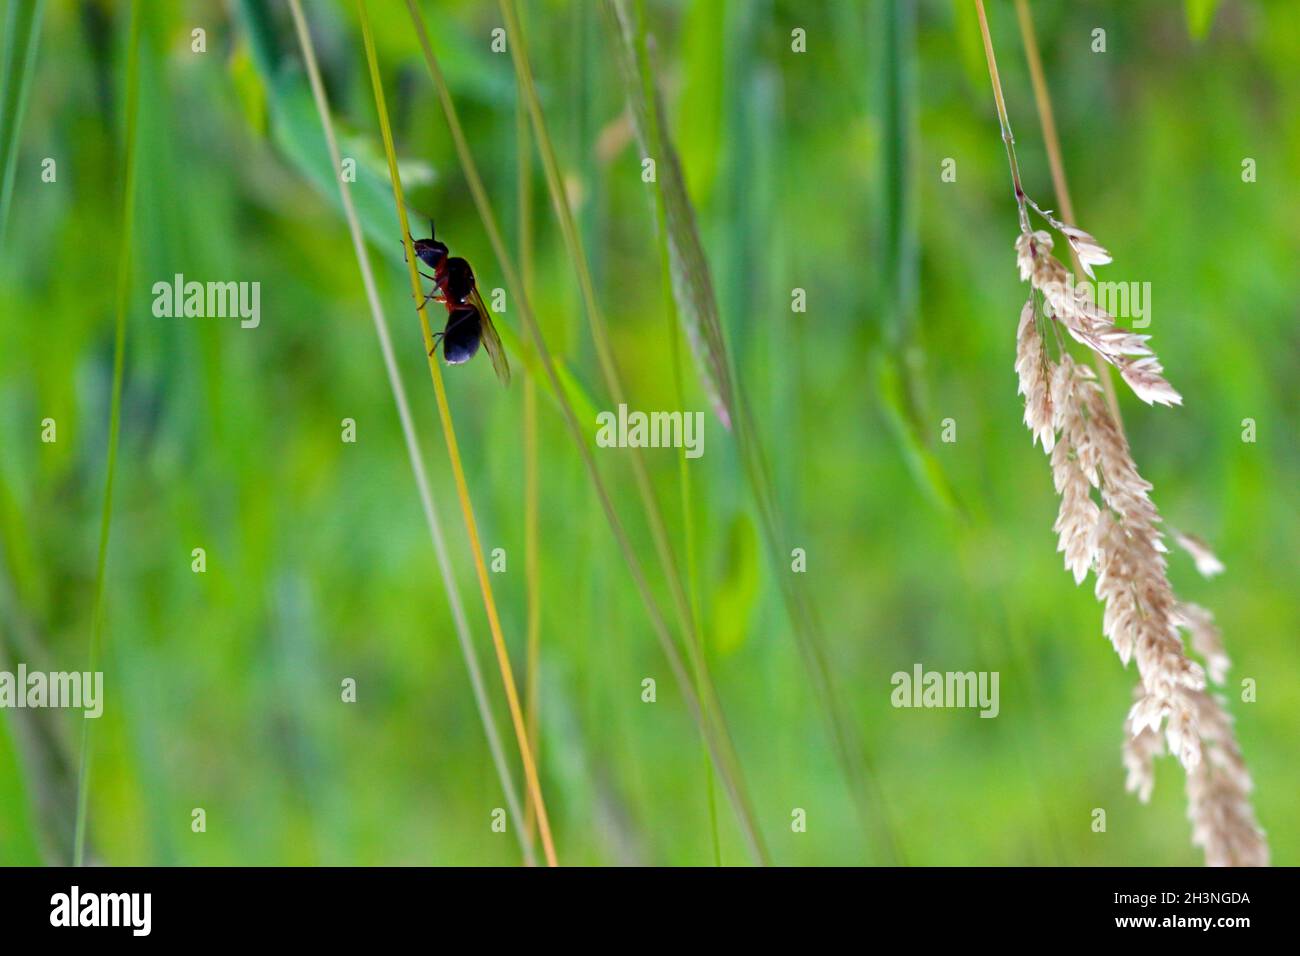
x: 1200, y: 17
x: 22, y: 35
x: 132, y: 100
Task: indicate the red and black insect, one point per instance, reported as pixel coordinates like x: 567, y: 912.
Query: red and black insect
x: 468, y: 320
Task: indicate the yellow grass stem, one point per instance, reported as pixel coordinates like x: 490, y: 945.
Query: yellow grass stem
x: 719, y: 750
x: 453, y: 452
x: 413, y: 449
x: 115, y: 409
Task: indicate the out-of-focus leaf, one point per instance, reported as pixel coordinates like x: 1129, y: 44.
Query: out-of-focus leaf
x: 700, y: 120
x: 920, y: 458
x: 1200, y: 16
x: 902, y: 383
x: 970, y: 45
x: 737, y: 589
x: 248, y: 86
x: 18, y: 846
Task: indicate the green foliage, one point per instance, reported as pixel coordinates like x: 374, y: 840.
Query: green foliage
x: 223, y: 688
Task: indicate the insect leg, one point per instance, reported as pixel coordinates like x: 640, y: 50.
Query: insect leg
x: 450, y: 326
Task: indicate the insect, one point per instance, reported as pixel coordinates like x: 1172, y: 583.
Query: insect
x: 468, y: 319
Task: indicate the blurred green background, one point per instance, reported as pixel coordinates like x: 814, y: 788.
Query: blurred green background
x: 223, y: 688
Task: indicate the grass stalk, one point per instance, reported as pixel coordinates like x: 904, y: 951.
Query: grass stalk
x: 697, y: 308
x: 532, y: 565
x: 674, y: 335
x: 712, y: 707
x: 1046, y: 119
x: 123, y: 296
x: 414, y: 452
x: 595, y: 315
x: 453, y: 451
x: 725, y: 766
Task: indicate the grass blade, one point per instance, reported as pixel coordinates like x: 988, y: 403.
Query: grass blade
x: 22, y: 35
x: 115, y: 409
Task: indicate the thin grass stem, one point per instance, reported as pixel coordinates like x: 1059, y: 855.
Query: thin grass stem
x: 712, y: 710
x: 1043, y: 102
x: 674, y: 334
x: 132, y: 100
x: 453, y: 452
x: 740, y: 803
x: 414, y: 452
x: 532, y: 564
x: 695, y: 293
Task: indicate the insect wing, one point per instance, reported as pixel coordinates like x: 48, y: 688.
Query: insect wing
x: 496, y: 352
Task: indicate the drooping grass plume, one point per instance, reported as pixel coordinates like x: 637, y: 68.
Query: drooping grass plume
x: 1218, y: 789
x: 719, y: 746
x: 414, y: 452
x: 1207, y: 562
x: 1108, y: 524
x: 123, y: 298
x: 533, y: 781
x: 1073, y: 308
